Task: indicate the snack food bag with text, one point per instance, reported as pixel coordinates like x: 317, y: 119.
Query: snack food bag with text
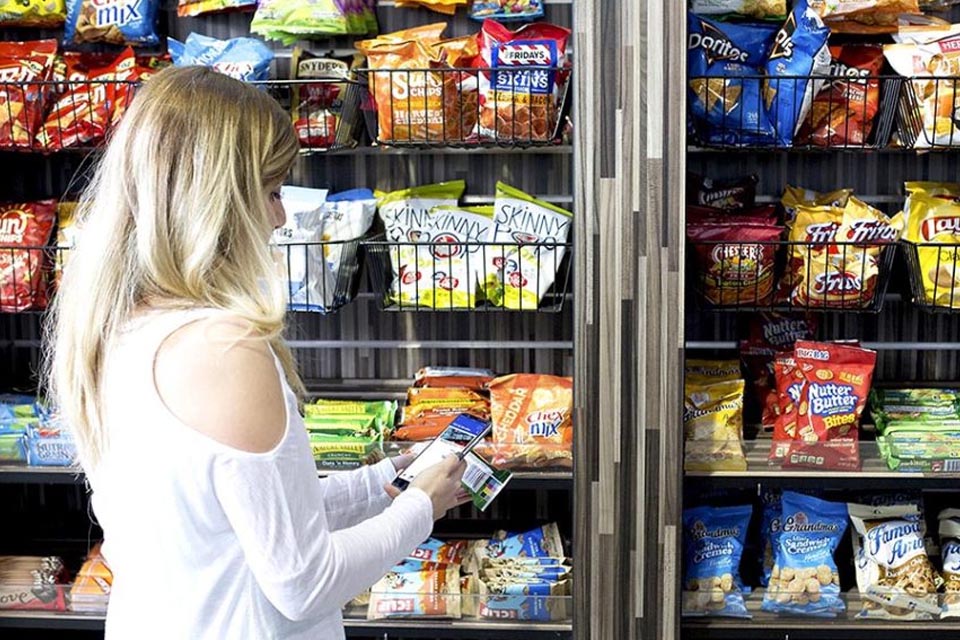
x: 24, y: 65
x: 714, y: 538
x: 950, y: 555
x: 318, y: 109
x: 759, y: 9
x: 456, y: 256
x: 532, y: 420
x: 245, y: 59
x: 415, y: 589
x: 191, y: 8
x: 118, y: 22
x: 933, y: 228
x: 33, y: 13
x: 25, y: 230
x: 713, y: 425
x: 864, y: 17
x: 730, y: 195
x: 506, y: 10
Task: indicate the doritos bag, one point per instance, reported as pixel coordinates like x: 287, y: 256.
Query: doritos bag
x: 800, y: 49
x: 22, y: 103
x: 24, y: 229
x: 515, y: 104
x: 131, y: 22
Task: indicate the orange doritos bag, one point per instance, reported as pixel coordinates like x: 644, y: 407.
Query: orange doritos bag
x: 532, y: 420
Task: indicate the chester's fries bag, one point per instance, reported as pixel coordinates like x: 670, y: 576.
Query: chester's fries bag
x: 131, y: 22
x: 33, y: 13
x: 726, y: 103
x: 518, y: 104
x: 759, y: 9
x: 735, y: 261
x: 894, y: 574
x: 950, y: 556
x: 519, y: 272
x: 836, y: 385
x: 415, y: 589
x: 713, y: 542
x: 799, y: 51
x: 804, y: 579
x: 713, y: 426
x: 406, y: 216
x: 245, y: 59
x: 844, y: 110
x: 932, y: 95
x: 23, y: 103
x: 935, y: 220
x: 532, y: 420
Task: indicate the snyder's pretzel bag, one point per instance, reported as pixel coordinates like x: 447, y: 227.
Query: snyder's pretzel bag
x: 532, y: 420
x: 894, y: 574
x: 520, y: 272
x: 521, y: 88
x: 804, y: 579
x: 845, y: 109
x: 415, y: 589
x: 950, y: 555
x: 714, y: 538
x: 317, y: 109
x: 735, y: 261
x: 713, y: 426
x: 131, y: 22
x: 22, y: 103
x: 933, y: 227
x: 25, y: 229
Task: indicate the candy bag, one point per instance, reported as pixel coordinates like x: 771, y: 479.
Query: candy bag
x: 714, y: 538
x: 23, y: 284
x: 804, y: 579
x: 22, y: 102
x: 33, y: 13
x: 519, y: 274
x: 130, y: 22
x: 532, y: 420
x: 244, y: 59
x: 713, y: 426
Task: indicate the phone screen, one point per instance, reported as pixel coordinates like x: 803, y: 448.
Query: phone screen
x: 435, y: 452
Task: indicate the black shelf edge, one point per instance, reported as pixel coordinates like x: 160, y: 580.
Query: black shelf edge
x: 817, y: 629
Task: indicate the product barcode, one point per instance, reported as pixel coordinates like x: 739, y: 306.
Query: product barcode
x: 951, y: 466
x: 475, y: 477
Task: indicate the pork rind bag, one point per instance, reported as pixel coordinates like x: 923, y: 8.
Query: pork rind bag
x: 804, y: 579
x: 894, y: 574
x: 407, y: 219
x: 950, y: 556
x: 521, y: 105
x: 532, y: 418
x: 934, y: 220
x: 713, y: 541
x: 519, y: 272
x: 415, y: 589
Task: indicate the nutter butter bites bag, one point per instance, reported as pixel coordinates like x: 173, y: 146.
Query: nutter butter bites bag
x: 713, y: 542
x: 804, y: 579
x: 520, y: 271
x: 131, y: 22
x: 894, y: 574
x: 935, y: 221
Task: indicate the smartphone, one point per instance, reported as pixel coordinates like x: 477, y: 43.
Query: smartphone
x: 435, y: 452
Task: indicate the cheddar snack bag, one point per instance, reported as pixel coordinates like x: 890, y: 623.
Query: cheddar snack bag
x: 532, y: 420
x: 130, y: 22
x: 935, y: 220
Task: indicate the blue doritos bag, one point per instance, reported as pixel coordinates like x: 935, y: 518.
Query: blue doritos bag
x: 727, y: 108
x: 713, y: 546
x: 120, y: 22
x: 800, y: 49
x: 804, y: 579
x: 245, y: 59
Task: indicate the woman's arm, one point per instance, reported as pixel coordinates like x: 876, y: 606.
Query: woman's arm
x: 349, y: 497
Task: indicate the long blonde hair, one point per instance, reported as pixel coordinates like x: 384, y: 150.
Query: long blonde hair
x: 175, y: 216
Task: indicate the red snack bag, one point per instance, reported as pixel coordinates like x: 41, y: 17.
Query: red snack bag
x: 729, y: 195
x: 23, y: 65
x: 736, y: 262
x: 837, y: 380
x: 24, y: 229
x: 844, y: 110
x: 789, y: 384
x: 765, y: 214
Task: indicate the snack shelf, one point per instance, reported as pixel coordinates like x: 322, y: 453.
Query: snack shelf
x: 874, y: 473
x: 382, y: 628
x: 844, y: 627
x: 888, y: 345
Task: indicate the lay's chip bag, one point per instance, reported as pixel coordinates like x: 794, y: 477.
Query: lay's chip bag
x: 713, y: 541
x: 519, y: 272
x: 933, y: 227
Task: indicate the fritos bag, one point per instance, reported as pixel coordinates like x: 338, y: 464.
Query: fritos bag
x: 532, y: 420
x: 24, y: 229
x: 795, y: 197
x: 836, y: 384
x: 516, y: 104
x: 735, y: 261
x: 894, y: 574
x: 22, y: 104
x: 713, y: 543
x: 713, y: 426
x: 936, y: 220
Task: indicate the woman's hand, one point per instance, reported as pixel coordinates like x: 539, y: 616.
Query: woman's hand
x: 403, y: 461
x: 441, y: 483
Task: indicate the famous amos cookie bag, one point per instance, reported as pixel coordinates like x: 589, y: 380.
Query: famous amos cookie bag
x: 804, y: 579
x: 894, y: 574
x: 713, y: 543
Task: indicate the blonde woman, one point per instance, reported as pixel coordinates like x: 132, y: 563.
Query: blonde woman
x: 168, y: 363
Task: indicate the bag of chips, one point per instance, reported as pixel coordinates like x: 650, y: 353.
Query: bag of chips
x: 517, y: 104
x: 506, y: 10
x: 23, y: 103
x: 288, y: 21
x: 532, y: 418
x: 804, y: 579
x: 836, y: 384
x: 456, y: 258
x: 759, y: 9
x: 318, y: 109
x: 711, y: 371
x: 730, y: 195
x: 845, y: 109
x: 950, y: 556
x: 735, y: 261
x: 130, y: 22
x: 192, y: 8
x: 713, y: 426
x: 415, y: 589
x: 894, y: 574
x: 864, y: 16
x: 935, y: 220
x: 713, y: 542
x: 520, y: 272
x: 44, y: 14
x: 795, y: 197
x: 25, y: 229
x: 244, y: 59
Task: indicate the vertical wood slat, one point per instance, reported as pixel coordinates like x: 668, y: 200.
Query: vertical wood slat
x: 628, y: 331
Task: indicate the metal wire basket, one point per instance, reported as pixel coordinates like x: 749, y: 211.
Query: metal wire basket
x: 934, y: 270
x: 321, y: 277
x: 927, y: 112
x: 28, y: 275
x: 470, y: 276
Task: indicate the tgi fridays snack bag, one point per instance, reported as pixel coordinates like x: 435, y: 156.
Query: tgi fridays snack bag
x: 935, y: 220
x: 804, y: 579
x: 532, y: 420
x: 894, y: 574
x: 714, y: 538
x: 950, y: 555
x: 713, y: 416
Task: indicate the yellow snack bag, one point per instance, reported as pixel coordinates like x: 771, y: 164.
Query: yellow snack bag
x: 710, y: 371
x: 795, y: 197
x: 936, y: 220
x: 33, y: 13
x: 713, y: 426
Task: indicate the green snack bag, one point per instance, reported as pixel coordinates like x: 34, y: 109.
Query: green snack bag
x: 336, y: 453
